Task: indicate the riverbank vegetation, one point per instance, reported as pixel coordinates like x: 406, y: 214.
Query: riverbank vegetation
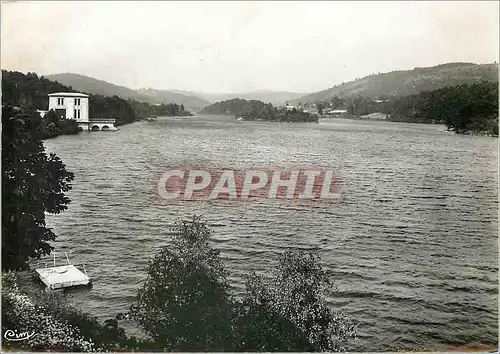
x: 146, y: 110
x: 274, y: 114
x: 51, y: 125
x: 464, y: 109
x: 258, y: 110
x: 186, y: 304
x: 29, y: 92
x: 235, y: 107
x: 33, y: 184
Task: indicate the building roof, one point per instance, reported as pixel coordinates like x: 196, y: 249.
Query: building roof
x: 68, y: 94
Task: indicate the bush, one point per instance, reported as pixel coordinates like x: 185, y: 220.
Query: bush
x: 54, y: 126
x: 20, y: 314
x: 57, y: 325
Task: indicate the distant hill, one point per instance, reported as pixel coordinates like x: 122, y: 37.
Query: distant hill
x: 276, y: 98
x: 408, y: 82
x: 100, y: 87
x: 191, y: 102
x: 91, y: 85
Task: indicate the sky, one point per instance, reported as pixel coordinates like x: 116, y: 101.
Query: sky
x: 223, y: 46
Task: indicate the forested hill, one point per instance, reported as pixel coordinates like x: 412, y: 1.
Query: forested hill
x: 465, y: 109
x: 408, y: 82
x: 236, y: 106
x: 152, y: 96
x: 30, y: 91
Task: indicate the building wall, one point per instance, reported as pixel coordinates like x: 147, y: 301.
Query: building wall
x: 69, y: 105
x: 84, y: 126
x: 93, y: 126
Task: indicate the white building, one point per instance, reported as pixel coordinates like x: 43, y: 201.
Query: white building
x: 71, y: 105
x: 74, y: 105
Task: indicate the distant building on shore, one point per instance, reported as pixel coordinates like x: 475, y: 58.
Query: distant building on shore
x: 335, y: 112
x: 75, y: 105
x: 376, y: 116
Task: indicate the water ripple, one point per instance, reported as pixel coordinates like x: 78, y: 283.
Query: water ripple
x: 412, y: 247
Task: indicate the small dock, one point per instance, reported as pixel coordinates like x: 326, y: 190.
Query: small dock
x: 63, y: 276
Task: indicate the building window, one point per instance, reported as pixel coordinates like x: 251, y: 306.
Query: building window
x: 60, y: 101
x: 77, y: 101
x: 76, y: 114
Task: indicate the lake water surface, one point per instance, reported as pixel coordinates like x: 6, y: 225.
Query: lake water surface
x: 412, y: 247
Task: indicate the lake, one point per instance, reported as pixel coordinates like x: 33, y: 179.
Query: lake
x: 412, y: 247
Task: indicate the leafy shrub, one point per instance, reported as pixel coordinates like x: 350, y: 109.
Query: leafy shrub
x: 22, y: 297
x: 185, y: 304
x: 20, y: 314
x: 53, y: 126
x: 295, y: 292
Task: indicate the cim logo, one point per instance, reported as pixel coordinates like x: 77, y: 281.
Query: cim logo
x: 303, y: 184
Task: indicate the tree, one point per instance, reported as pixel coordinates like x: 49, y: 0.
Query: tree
x: 337, y: 102
x: 464, y: 108
x: 296, y: 294
x: 33, y: 184
x: 263, y: 329
x: 53, y: 126
x: 185, y: 304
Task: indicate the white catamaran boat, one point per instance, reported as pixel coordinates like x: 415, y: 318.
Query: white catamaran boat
x: 63, y: 276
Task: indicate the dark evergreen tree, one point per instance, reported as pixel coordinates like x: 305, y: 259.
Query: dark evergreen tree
x: 33, y: 183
